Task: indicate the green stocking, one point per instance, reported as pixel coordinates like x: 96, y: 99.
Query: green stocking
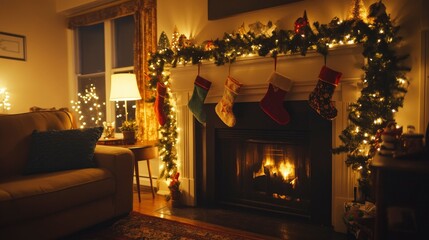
x: 196, y: 103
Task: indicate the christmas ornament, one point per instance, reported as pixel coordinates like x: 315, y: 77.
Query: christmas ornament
x: 272, y: 102
x: 256, y: 28
x: 208, y: 45
x: 182, y: 41
x: 161, y: 91
x: 320, y: 98
x: 196, y: 103
x: 242, y: 30
x: 224, y: 107
x: 301, y: 23
x: 377, y: 9
x: 259, y: 28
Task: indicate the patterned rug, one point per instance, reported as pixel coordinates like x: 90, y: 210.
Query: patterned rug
x: 139, y: 226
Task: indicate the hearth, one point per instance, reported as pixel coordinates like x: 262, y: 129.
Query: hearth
x: 259, y: 164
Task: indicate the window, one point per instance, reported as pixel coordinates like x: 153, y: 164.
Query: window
x: 123, y: 59
x: 103, y: 49
x: 124, y: 39
x: 91, y: 74
x: 91, y: 49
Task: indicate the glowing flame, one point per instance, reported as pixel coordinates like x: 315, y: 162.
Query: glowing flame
x: 287, y: 170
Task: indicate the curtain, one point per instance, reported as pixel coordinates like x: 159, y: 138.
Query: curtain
x: 144, y: 44
x: 97, y: 16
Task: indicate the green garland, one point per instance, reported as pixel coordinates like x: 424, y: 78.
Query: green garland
x: 384, y: 84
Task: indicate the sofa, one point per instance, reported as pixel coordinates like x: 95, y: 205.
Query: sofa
x: 55, y: 180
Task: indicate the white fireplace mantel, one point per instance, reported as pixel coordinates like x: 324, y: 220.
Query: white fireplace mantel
x: 253, y: 72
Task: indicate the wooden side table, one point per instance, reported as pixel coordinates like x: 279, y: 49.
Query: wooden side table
x: 142, y: 152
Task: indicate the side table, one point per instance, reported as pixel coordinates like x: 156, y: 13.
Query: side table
x: 142, y: 152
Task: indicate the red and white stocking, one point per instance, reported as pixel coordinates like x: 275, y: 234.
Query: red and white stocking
x: 320, y: 98
x: 272, y: 102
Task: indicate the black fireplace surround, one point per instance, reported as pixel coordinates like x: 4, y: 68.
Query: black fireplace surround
x: 230, y: 167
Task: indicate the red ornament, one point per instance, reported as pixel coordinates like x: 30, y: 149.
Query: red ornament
x: 209, y: 45
x: 301, y: 23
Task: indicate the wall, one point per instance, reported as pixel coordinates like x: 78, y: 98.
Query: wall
x: 41, y: 80
x: 190, y: 17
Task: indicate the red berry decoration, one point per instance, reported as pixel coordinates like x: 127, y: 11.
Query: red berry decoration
x: 301, y: 23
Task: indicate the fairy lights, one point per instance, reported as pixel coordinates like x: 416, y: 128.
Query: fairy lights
x: 90, y: 112
x: 375, y: 107
x: 4, y: 100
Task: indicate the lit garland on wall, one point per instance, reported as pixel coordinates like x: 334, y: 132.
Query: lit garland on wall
x: 384, y: 84
x: 87, y: 107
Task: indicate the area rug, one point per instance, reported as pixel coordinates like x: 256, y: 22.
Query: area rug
x: 139, y: 226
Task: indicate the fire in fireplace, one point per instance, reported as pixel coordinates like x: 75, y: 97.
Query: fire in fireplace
x: 270, y: 170
x: 262, y: 165
x: 279, y: 172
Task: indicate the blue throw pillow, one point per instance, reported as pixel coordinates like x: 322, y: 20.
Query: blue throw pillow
x: 62, y: 150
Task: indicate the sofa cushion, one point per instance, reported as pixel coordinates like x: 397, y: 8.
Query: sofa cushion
x: 33, y: 196
x: 62, y: 150
x: 15, y: 137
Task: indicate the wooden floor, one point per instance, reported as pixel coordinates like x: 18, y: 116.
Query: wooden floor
x: 251, y: 224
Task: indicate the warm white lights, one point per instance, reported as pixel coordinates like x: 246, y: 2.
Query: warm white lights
x: 4, y: 100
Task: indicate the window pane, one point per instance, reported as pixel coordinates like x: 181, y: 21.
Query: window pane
x: 124, y: 41
x: 91, y: 49
x: 91, y: 101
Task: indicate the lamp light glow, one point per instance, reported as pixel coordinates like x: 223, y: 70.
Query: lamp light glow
x: 123, y: 87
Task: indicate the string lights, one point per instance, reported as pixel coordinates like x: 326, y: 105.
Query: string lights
x: 383, y: 86
x: 90, y: 112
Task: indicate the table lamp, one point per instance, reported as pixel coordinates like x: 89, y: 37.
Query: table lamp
x: 123, y: 87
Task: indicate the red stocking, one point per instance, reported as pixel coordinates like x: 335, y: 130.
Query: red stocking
x: 272, y: 103
x: 159, y: 103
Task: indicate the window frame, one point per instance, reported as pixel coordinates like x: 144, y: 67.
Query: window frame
x: 109, y: 58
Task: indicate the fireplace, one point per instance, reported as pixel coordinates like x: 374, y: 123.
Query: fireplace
x: 196, y: 143
x: 259, y: 164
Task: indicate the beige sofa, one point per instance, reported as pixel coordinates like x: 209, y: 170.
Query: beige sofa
x: 53, y: 204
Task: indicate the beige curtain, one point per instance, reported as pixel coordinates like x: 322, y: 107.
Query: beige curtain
x: 145, y: 42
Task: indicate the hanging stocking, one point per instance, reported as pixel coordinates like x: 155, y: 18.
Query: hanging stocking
x: 196, y: 103
x: 161, y: 91
x: 320, y: 98
x: 272, y: 102
x: 224, y: 106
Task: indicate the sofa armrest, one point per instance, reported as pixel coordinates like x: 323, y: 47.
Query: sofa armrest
x: 120, y: 161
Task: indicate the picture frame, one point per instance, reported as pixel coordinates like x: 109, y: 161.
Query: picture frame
x: 218, y: 9
x: 12, y: 46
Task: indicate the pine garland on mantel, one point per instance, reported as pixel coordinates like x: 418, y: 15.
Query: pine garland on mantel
x: 384, y: 82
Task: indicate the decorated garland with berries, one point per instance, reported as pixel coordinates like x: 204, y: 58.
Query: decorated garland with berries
x: 384, y: 83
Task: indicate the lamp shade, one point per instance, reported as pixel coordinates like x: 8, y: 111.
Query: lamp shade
x: 123, y: 87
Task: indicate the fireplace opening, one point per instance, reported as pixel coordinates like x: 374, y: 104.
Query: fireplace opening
x: 259, y: 164
x: 272, y: 174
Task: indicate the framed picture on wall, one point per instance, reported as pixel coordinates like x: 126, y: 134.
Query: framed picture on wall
x: 218, y: 9
x: 12, y: 46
